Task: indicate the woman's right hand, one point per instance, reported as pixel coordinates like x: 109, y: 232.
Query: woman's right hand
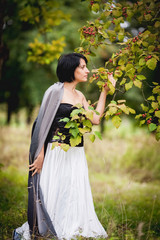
x: 112, y: 80
x: 37, y: 165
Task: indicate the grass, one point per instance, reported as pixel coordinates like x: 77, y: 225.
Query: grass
x: 124, y: 172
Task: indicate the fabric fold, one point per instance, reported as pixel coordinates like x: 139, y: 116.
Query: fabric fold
x: 38, y: 218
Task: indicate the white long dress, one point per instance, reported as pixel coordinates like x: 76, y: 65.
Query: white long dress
x: 67, y: 194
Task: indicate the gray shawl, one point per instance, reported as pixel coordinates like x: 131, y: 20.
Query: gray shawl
x: 38, y: 218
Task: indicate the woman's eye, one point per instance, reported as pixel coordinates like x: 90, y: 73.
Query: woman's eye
x: 82, y: 67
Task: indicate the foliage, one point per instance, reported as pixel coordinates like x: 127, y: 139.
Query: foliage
x: 23, y: 83
x: 45, y: 53
x: 44, y: 15
x: 135, y: 55
x: 78, y: 124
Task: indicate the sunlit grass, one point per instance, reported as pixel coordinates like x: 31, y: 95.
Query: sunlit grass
x: 124, y: 174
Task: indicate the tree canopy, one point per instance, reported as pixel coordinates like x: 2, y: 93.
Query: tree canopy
x: 35, y: 33
x: 129, y: 63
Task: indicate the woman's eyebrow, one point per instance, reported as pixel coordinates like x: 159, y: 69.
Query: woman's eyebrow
x: 84, y: 65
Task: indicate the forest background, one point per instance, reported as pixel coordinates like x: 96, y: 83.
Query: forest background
x: 125, y: 166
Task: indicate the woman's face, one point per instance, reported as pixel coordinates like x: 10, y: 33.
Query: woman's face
x: 81, y: 72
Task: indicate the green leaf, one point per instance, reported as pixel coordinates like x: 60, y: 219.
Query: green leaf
x: 120, y: 36
x: 84, y: 130
x: 107, y: 24
x: 97, y: 113
x: 137, y: 83
x: 78, y: 105
x: 151, y: 98
x: 63, y: 137
x: 124, y: 108
x: 59, y: 134
x: 123, y: 81
x: 71, y: 125
x: 155, y: 105
x: 64, y: 119
x: 100, y: 84
x: 116, y: 13
x: 116, y: 120
x: 156, y: 90
x: 145, y: 109
x: 145, y: 44
x: 142, y: 61
x: 65, y: 147
x: 151, y: 63
x: 56, y: 138
x: 141, y: 77
x: 118, y: 73
x: 146, y: 34
x: 87, y: 123
x: 54, y: 144
x: 112, y: 88
x: 128, y: 85
x: 89, y: 115
x: 95, y: 7
x: 129, y: 67
x: 138, y: 116
x: 155, y: 83
x: 92, y: 137
x: 74, y: 132
x: 114, y: 102
x: 148, y: 17
x: 157, y: 24
x: 121, y: 101
x: 157, y: 114
x: 91, y: 108
x: 141, y: 122
x: 98, y: 134
x: 75, y: 112
x: 132, y: 110
x: 121, y: 61
x: 152, y: 127
x: 112, y: 110
x: 151, y: 48
x: 75, y: 141
x: 151, y: 110
x: 75, y: 117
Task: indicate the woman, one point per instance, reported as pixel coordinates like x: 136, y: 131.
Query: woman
x: 60, y: 203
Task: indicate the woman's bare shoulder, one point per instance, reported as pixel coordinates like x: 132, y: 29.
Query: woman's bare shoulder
x: 80, y: 94
x: 82, y: 97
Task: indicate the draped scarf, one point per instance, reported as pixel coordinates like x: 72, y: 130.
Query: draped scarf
x: 38, y: 218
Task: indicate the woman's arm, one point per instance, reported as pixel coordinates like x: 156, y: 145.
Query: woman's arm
x: 38, y: 163
x: 101, y: 102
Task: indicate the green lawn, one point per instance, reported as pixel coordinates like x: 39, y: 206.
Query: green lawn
x: 124, y: 172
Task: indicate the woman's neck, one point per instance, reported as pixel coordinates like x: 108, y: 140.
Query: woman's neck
x: 71, y: 86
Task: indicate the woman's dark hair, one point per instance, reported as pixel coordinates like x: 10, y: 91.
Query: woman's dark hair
x: 67, y: 64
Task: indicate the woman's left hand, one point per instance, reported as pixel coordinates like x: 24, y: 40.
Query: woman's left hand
x: 37, y: 165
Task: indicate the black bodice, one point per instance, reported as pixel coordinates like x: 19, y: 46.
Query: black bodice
x: 57, y: 126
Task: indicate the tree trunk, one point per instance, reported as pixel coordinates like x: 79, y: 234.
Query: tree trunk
x: 29, y: 114
x: 9, y: 112
x: 2, y: 9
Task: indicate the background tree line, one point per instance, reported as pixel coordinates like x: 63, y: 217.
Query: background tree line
x: 34, y: 34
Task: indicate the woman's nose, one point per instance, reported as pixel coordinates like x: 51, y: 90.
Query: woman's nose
x: 87, y: 70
